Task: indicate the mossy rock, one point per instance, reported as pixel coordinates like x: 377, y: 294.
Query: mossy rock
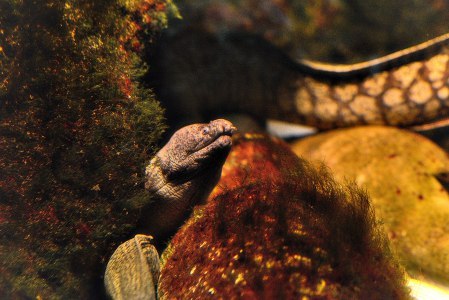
x: 277, y: 228
x: 404, y: 174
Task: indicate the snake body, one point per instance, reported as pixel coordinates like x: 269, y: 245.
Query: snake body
x: 202, y: 75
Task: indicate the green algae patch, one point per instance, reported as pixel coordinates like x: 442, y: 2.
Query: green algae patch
x: 277, y: 228
x: 76, y: 127
x: 404, y: 174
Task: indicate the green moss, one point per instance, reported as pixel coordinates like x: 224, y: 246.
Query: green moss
x: 76, y: 130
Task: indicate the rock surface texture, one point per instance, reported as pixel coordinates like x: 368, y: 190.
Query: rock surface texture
x: 406, y: 177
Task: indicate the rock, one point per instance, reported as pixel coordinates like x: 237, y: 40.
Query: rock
x: 404, y: 174
x: 277, y: 228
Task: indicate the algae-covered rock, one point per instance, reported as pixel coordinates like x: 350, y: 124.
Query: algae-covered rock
x: 76, y: 128
x: 277, y: 228
x: 404, y: 175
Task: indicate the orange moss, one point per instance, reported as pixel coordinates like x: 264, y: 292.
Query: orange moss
x: 276, y: 228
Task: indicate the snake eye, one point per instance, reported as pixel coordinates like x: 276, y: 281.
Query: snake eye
x: 206, y: 130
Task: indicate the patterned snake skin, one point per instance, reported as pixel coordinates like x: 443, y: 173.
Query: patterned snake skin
x: 202, y: 76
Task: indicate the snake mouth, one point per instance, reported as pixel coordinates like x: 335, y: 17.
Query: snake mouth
x: 223, y: 141
x: 194, y: 149
x: 217, y: 135
x: 225, y: 137
x: 220, y: 142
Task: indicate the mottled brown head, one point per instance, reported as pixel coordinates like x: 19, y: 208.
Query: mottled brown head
x: 195, y: 148
x: 183, y: 174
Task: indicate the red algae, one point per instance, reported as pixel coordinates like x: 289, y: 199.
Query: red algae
x: 253, y: 154
x: 275, y: 228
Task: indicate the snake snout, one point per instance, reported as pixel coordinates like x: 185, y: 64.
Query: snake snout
x: 217, y: 133
x: 222, y: 127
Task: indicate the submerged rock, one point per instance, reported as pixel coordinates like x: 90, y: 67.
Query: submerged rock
x: 277, y: 228
x: 406, y: 177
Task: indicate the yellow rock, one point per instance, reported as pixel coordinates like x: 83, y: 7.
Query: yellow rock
x: 399, y: 169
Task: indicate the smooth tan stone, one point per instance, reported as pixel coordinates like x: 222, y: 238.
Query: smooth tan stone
x: 398, y: 168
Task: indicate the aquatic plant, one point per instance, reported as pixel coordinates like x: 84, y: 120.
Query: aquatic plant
x: 76, y: 128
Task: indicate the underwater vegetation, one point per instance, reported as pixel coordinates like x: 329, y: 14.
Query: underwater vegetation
x: 277, y: 228
x: 76, y: 128
x: 406, y: 176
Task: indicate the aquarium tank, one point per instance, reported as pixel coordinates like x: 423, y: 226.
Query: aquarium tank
x: 244, y: 149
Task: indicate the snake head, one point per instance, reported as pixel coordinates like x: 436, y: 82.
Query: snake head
x: 195, y: 148
x: 183, y: 174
